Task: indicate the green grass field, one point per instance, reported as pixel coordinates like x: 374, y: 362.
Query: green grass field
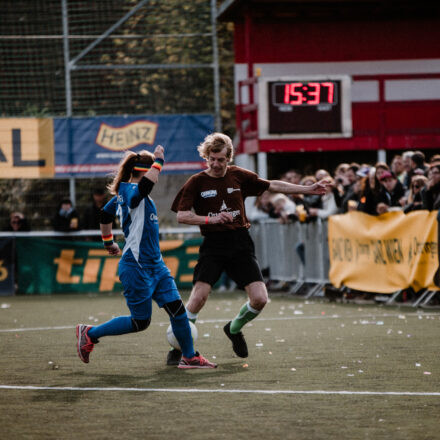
x: 310, y: 366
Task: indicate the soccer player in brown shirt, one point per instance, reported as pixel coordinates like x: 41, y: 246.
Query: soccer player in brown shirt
x: 214, y: 200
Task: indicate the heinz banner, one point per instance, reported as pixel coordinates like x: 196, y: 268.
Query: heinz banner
x: 91, y: 147
x: 85, y: 146
x: 78, y: 266
x: 383, y: 254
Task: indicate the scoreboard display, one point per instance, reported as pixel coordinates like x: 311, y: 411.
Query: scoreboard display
x: 304, y: 107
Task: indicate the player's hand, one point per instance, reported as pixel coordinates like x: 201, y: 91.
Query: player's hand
x: 320, y: 187
x: 223, y: 217
x: 113, y: 249
x: 159, y: 152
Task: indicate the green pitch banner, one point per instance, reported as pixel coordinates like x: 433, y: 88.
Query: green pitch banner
x: 57, y: 266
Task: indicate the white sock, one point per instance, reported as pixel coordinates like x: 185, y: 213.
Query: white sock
x: 192, y: 316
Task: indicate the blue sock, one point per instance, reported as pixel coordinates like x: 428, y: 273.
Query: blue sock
x: 116, y: 326
x: 182, y: 331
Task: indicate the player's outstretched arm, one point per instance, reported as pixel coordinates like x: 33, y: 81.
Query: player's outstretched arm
x: 290, y: 188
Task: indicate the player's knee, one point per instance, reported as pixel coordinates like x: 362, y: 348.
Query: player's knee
x: 174, y: 308
x: 140, y: 324
x: 257, y: 295
x: 259, y: 302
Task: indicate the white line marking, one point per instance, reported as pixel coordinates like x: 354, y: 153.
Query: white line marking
x: 278, y: 318
x: 33, y: 329
x: 234, y: 391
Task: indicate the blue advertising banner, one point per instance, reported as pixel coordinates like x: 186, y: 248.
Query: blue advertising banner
x: 88, y: 147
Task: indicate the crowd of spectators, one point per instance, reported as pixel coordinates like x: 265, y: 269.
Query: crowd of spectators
x: 66, y: 217
x: 408, y: 183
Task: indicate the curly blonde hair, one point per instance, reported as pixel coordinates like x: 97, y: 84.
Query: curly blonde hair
x: 214, y: 143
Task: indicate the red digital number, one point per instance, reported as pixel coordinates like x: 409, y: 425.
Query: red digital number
x: 314, y: 92
x: 331, y: 91
x: 296, y: 94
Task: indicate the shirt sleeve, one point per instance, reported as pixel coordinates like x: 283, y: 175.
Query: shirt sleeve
x: 133, y: 196
x: 185, y: 198
x: 111, y: 206
x: 252, y: 184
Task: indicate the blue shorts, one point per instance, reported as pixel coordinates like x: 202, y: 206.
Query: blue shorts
x: 141, y: 285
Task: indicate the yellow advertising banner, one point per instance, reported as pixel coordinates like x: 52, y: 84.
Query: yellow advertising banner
x: 383, y: 254
x: 26, y: 148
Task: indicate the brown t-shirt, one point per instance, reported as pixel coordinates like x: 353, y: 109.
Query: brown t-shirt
x: 209, y: 196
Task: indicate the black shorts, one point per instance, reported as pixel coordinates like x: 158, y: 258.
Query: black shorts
x: 232, y: 252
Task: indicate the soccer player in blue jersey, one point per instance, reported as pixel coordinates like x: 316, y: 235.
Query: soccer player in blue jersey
x: 142, y: 270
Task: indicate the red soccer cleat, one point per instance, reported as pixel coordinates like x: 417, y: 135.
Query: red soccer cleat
x: 84, y: 345
x: 198, y: 361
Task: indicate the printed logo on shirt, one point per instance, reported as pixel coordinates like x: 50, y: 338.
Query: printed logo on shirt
x: 120, y: 199
x: 231, y: 190
x: 223, y: 208
x: 208, y: 194
x: 153, y: 217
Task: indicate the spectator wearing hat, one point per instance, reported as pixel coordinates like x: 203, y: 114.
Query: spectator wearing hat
x: 390, y: 194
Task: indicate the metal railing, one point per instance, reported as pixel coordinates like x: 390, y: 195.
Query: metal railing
x: 295, y: 253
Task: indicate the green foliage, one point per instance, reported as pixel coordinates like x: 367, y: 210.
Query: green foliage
x: 161, y: 32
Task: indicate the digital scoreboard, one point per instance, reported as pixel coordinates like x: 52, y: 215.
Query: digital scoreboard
x: 304, y: 107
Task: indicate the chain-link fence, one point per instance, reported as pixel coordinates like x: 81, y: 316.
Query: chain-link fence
x: 81, y: 58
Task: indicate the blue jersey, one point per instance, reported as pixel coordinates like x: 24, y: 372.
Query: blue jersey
x: 139, y: 222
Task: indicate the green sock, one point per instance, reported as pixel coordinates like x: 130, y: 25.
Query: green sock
x: 246, y: 314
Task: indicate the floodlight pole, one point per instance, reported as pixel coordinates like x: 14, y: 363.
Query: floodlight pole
x: 68, y: 87
x: 215, y: 61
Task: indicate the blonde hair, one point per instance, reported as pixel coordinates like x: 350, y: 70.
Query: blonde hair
x: 214, y: 143
x: 125, y: 169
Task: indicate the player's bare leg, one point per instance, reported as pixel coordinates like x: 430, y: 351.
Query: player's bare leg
x: 197, y: 299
